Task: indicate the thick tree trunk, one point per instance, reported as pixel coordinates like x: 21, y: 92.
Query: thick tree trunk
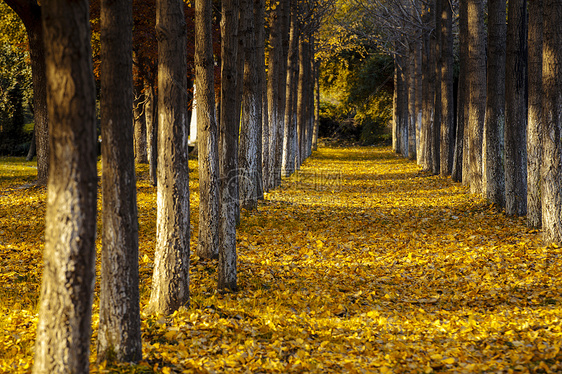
x: 119, y: 335
x: 170, y: 280
x: 476, y: 91
x: 516, y: 110
x: 207, y: 133
x: 64, y: 328
x: 460, y: 159
x: 534, y: 134
x: 494, y: 123
x: 552, y: 122
x: 447, y: 99
x: 228, y: 141
x: 248, y: 160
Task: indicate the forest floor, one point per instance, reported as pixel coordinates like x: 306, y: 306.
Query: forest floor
x: 360, y: 263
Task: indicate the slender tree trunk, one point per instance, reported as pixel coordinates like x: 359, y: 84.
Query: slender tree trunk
x: 119, y: 335
x: 285, y: 11
x: 494, y: 123
x: 460, y: 159
x: 288, y: 165
x: 419, y: 98
x: 316, y: 90
x: 438, y: 62
x: 207, y: 133
x: 412, y: 101
x: 516, y: 110
x: 552, y: 123
x: 170, y: 280
x: 477, y: 90
x: 228, y: 140
x: 534, y: 134
x: 263, y: 129
x: 151, y: 131
x: 139, y: 111
x: 62, y: 344
x: 396, y: 133
x: 447, y: 99
x: 403, y: 102
x: 251, y: 117
x: 274, y: 64
x: 428, y: 94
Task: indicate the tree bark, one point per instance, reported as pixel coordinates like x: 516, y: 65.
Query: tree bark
x: 494, y: 123
x: 250, y: 117
x: 534, y: 134
x: 139, y: 111
x: 412, y: 87
x: 476, y: 91
x: 64, y: 328
x: 119, y: 335
x: 552, y: 122
x: 274, y: 64
x: 285, y: 27
x: 459, y: 172
x: 151, y: 131
x: 228, y: 140
x: 263, y: 128
x: 447, y: 99
x: 207, y: 133
x: 170, y: 279
x: 516, y: 110
x: 288, y: 165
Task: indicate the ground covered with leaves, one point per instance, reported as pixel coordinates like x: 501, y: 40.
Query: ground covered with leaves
x: 358, y: 263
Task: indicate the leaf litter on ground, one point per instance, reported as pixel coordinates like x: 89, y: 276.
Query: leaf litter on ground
x: 358, y: 263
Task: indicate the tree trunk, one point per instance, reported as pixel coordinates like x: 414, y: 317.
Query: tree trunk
x: 285, y: 11
x: 263, y: 128
x: 250, y: 117
x: 139, y: 112
x: 516, y: 110
x: 552, y: 123
x: 412, y: 117
x: 396, y: 131
x: 119, y: 335
x: 288, y: 165
x: 29, y: 12
x: 274, y: 64
x: 459, y: 172
x: 534, y: 134
x: 447, y: 99
x: 316, y: 91
x: 64, y: 328
x: 428, y: 95
x: 476, y: 92
x: 170, y: 280
x: 494, y: 123
x: 151, y: 131
x: 438, y: 62
x: 228, y: 140
x: 207, y: 133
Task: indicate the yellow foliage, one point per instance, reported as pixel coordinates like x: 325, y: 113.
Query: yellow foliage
x: 363, y: 265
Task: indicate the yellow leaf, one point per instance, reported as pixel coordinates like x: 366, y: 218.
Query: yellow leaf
x: 449, y: 361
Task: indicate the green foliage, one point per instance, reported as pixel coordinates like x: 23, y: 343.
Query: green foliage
x: 356, y: 86
x: 15, y: 95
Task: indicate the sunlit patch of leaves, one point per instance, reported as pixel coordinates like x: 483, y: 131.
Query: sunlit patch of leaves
x: 359, y: 264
